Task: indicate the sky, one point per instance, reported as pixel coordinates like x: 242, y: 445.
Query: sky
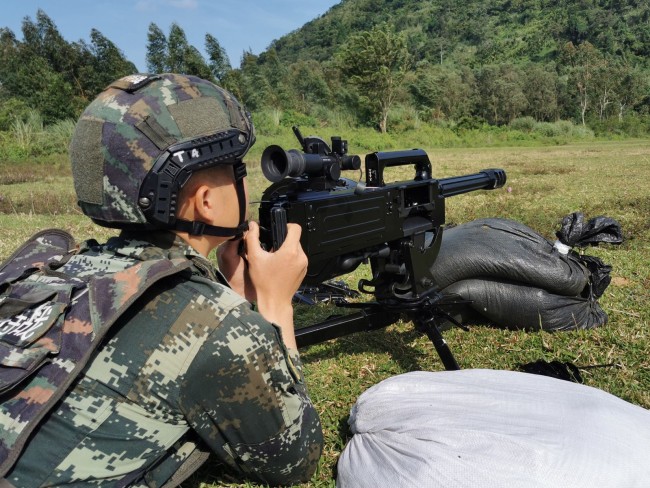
x: 238, y: 25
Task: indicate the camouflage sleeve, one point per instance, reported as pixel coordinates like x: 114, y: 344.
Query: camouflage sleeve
x: 246, y: 398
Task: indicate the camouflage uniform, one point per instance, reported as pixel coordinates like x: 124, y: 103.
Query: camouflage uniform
x: 191, y: 362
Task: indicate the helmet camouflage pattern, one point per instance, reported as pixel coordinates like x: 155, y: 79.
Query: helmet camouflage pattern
x: 140, y: 140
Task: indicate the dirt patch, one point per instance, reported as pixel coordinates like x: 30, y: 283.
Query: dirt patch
x: 620, y: 281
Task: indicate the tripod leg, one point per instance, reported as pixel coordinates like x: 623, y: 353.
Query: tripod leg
x: 446, y: 356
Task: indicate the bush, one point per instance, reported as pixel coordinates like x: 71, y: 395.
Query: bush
x: 403, y: 119
x: 632, y: 125
x: 523, y: 124
x: 582, y: 132
x: 548, y: 129
x: 471, y: 123
x: 26, y: 131
x: 10, y: 110
x: 29, y: 137
x: 289, y: 118
x: 267, y: 121
x: 342, y: 121
x: 56, y: 138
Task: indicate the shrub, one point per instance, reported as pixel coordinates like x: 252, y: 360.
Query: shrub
x: 56, y: 138
x: 12, y: 109
x: 266, y: 122
x: 582, y: 132
x: 471, y: 123
x: 523, y: 124
x: 289, y: 118
x: 548, y: 129
x: 26, y: 131
x: 403, y: 119
x: 566, y: 127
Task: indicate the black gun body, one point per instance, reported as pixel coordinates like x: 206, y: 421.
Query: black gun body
x: 344, y: 226
x: 397, y: 227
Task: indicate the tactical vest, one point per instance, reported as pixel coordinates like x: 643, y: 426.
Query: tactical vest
x: 50, y: 325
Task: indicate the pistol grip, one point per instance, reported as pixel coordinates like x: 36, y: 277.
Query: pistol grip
x: 278, y: 227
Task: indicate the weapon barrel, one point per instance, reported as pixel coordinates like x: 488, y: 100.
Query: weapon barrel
x: 487, y: 179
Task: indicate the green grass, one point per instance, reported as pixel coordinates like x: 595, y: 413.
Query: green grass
x: 546, y: 183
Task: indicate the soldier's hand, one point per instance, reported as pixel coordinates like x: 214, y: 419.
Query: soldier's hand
x: 276, y: 275
x: 235, y: 269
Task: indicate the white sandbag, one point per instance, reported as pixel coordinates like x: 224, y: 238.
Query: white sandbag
x: 487, y: 428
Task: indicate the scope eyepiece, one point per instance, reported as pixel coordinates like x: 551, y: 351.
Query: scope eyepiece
x: 278, y: 164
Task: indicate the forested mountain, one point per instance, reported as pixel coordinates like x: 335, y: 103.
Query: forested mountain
x: 587, y: 61
x: 389, y: 64
x: 478, y: 32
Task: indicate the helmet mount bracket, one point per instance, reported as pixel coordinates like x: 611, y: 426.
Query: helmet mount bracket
x: 159, y: 191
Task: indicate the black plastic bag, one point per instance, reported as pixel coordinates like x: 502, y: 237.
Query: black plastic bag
x: 599, y: 274
x: 575, y: 232
x: 555, y: 369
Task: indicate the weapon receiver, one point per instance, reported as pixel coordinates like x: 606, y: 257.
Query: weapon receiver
x: 397, y: 227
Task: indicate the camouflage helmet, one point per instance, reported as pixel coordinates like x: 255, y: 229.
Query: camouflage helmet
x: 140, y: 140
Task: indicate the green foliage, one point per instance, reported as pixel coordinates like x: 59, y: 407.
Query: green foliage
x: 443, y: 91
x: 376, y: 62
x: 173, y: 54
x: 524, y: 124
x: 479, y: 31
x: 369, y: 63
x: 105, y: 64
x: 219, y: 62
x: 29, y: 137
x: 156, y: 50
x: 12, y: 109
x: 53, y: 76
x: 495, y: 59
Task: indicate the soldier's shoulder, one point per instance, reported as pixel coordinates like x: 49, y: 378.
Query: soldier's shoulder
x: 209, y: 291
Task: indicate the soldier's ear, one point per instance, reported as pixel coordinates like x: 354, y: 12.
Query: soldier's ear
x: 205, y: 201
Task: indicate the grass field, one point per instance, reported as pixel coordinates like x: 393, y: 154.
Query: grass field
x: 546, y: 183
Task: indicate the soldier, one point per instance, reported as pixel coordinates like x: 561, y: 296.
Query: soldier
x: 190, y: 364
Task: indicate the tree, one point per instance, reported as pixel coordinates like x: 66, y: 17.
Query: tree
x: 174, y: 54
x: 276, y: 77
x: 309, y: 84
x: 177, y: 47
x: 218, y: 58
x: 634, y: 87
x: 107, y: 63
x: 195, y: 64
x: 541, y: 91
x: 36, y: 74
x: 607, y: 83
x: 376, y: 62
x: 253, y: 87
x: 53, y: 76
x: 583, y: 63
x: 501, y: 93
x: 156, y: 50
x: 444, y: 90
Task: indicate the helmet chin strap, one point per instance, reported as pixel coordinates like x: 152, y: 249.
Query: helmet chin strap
x: 197, y: 228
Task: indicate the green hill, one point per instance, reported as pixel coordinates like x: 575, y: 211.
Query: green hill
x: 475, y: 32
x: 387, y: 64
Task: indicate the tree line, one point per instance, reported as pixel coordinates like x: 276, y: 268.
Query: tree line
x: 375, y: 75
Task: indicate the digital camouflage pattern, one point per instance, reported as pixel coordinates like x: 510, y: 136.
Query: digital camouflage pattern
x: 50, y: 323
x: 189, y: 363
x: 120, y: 135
